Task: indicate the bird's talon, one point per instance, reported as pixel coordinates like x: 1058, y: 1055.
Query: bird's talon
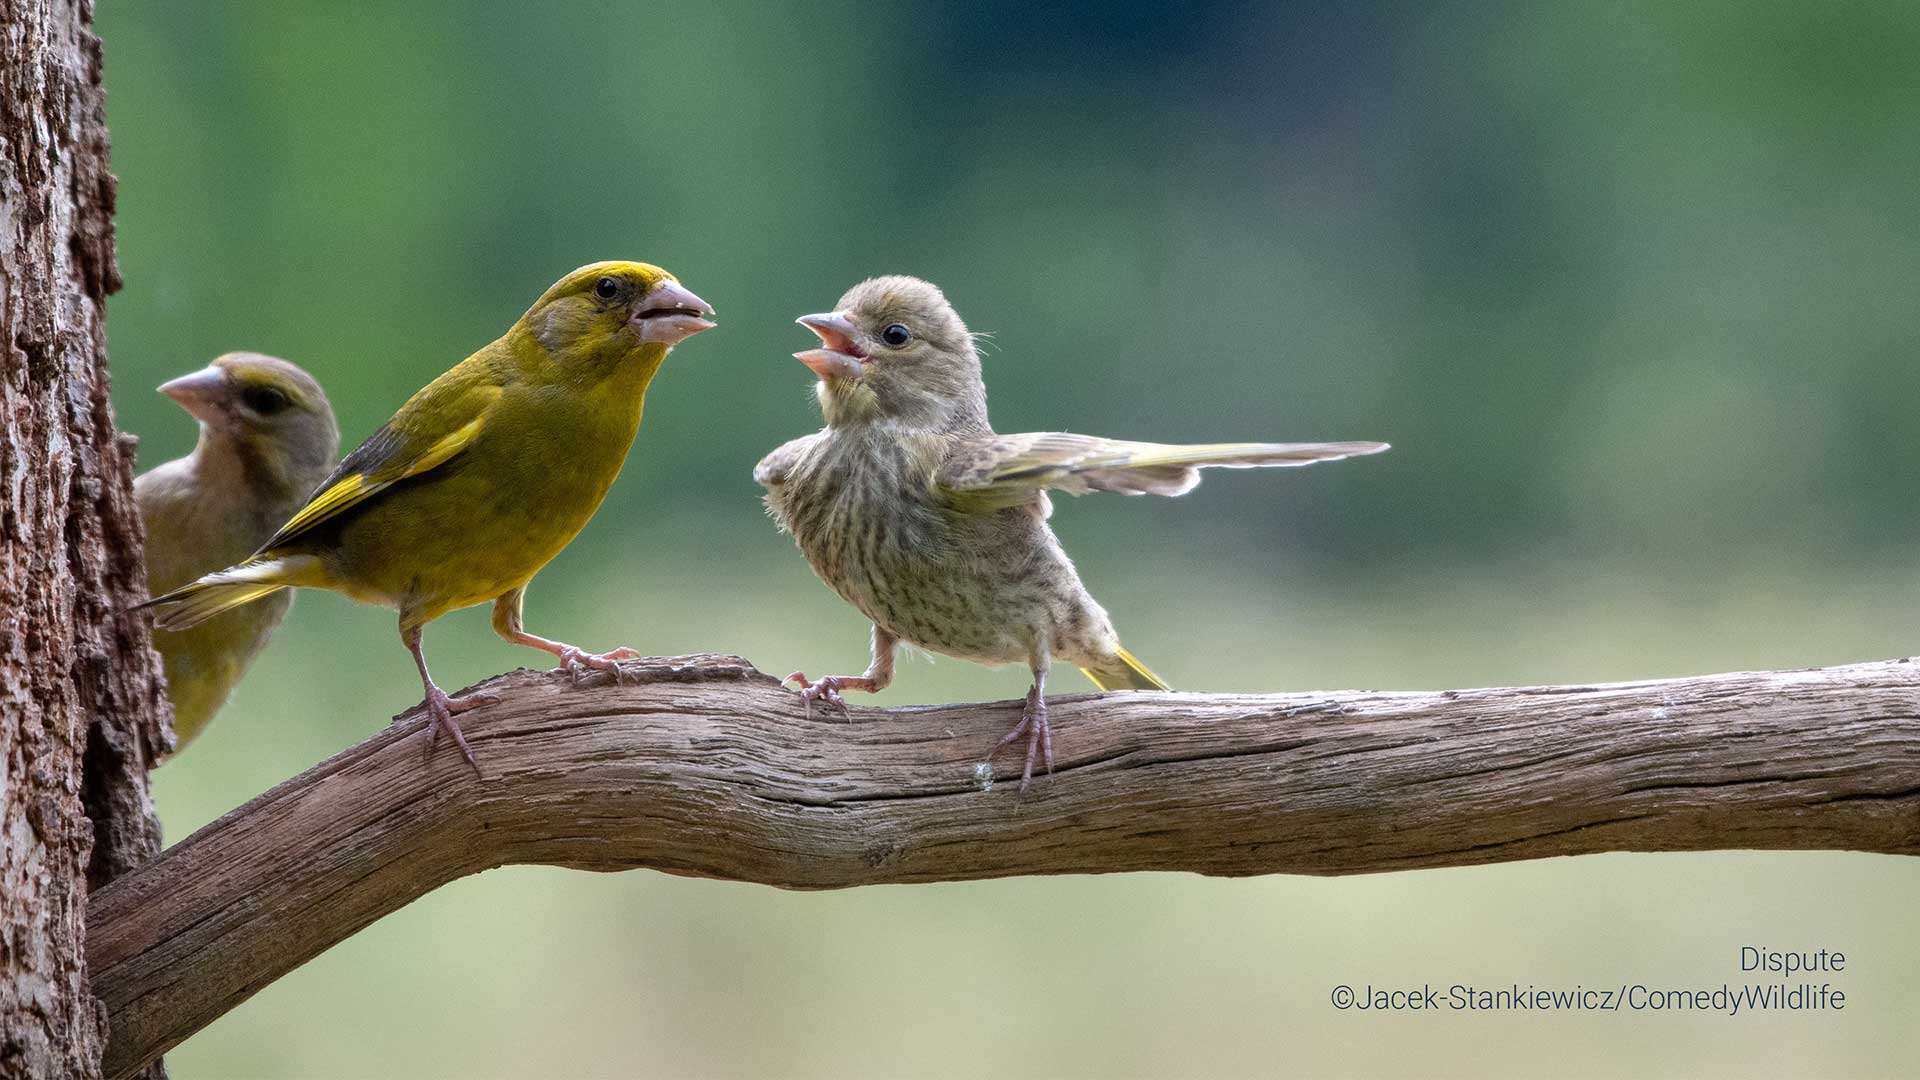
x: 1033, y: 724
x: 440, y: 710
x: 577, y: 662
x: 826, y: 689
x: 803, y: 686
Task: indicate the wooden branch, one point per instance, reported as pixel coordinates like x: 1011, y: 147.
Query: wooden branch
x: 701, y: 765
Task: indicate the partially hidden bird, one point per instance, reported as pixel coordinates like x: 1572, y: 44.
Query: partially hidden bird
x: 481, y: 477
x: 267, y: 439
x: 912, y: 508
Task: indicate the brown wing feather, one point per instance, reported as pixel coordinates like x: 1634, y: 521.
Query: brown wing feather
x: 1003, y: 470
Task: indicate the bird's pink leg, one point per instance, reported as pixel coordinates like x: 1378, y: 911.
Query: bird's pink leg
x: 441, y: 707
x: 506, y: 623
x: 827, y: 687
x: 572, y: 658
x: 1033, y: 722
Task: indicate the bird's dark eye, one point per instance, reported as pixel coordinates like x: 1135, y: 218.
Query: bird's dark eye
x: 896, y: 334
x: 606, y: 288
x: 264, y: 400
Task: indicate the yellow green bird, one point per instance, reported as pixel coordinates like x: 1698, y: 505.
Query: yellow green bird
x: 481, y: 477
x: 267, y: 439
x: 934, y: 526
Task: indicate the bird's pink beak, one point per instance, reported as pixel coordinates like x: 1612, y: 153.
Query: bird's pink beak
x: 670, y: 314
x: 842, y: 355
x: 200, y: 393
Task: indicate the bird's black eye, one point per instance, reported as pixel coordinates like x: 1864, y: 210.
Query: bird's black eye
x: 606, y: 288
x: 896, y: 334
x: 264, y: 400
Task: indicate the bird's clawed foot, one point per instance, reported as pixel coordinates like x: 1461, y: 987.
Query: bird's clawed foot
x: 440, y: 712
x: 828, y: 690
x: 577, y: 661
x: 1033, y: 724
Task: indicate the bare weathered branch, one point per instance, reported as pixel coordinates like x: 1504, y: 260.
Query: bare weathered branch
x: 701, y: 765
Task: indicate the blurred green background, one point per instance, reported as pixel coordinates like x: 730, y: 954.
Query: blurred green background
x: 1631, y: 288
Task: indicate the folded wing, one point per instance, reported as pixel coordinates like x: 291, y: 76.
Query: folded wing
x: 430, y: 429
x: 434, y: 425
x: 773, y: 469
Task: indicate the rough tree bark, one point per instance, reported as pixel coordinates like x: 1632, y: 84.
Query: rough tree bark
x: 82, y: 709
x: 704, y: 766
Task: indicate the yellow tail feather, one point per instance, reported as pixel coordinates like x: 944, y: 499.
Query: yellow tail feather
x: 1125, y: 673
x: 191, y: 605
x: 196, y: 602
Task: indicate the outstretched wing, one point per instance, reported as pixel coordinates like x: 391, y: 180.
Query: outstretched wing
x: 434, y: 425
x: 995, y: 471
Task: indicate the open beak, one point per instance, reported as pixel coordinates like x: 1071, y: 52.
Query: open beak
x: 842, y: 356
x: 201, y: 394
x: 670, y: 314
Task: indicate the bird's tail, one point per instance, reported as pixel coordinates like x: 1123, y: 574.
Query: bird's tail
x: 195, y: 603
x: 1124, y: 672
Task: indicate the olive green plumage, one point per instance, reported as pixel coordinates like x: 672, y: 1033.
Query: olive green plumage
x: 267, y: 439
x: 481, y: 477
x: 935, y: 527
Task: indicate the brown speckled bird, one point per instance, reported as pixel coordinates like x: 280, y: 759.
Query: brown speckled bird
x: 912, y: 508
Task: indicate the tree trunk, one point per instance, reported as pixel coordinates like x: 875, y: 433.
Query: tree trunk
x: 82, y: 708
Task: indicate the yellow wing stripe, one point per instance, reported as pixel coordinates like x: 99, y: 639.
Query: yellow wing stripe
x: 448, y: 445
x: 353, y: 489
x: 1181, y: 455
x: 1120, y: 456
x: 1032, y: 466
x: 324, y: 505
